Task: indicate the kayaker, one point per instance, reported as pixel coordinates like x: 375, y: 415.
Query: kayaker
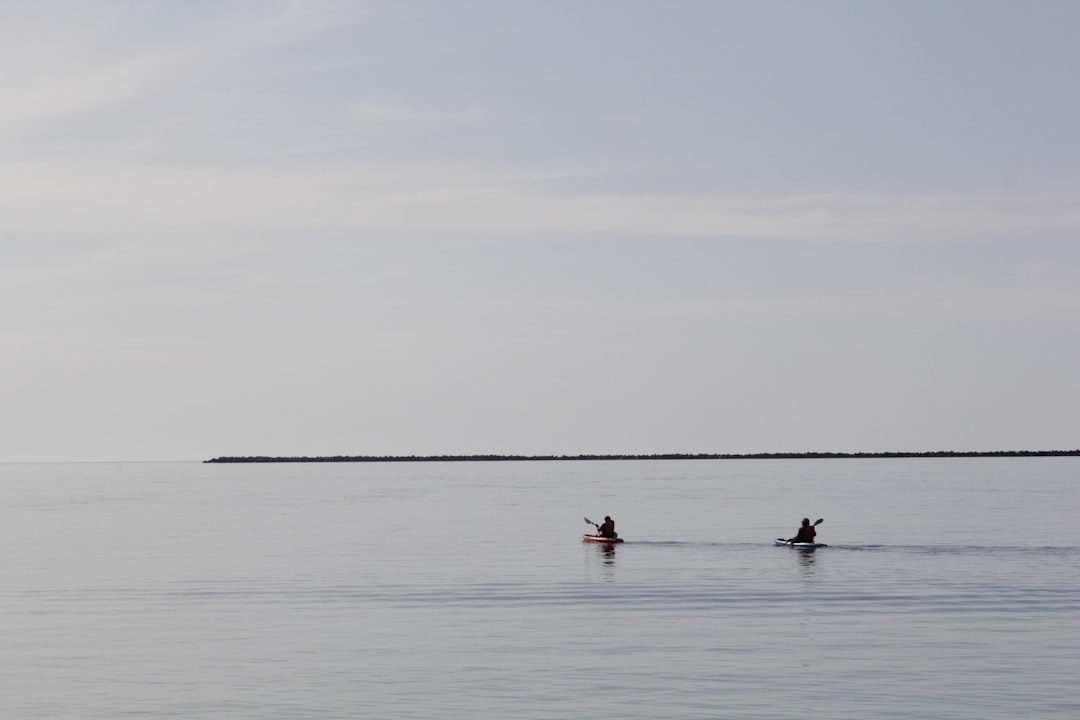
x: 806, y: 533
x: 607, y: 529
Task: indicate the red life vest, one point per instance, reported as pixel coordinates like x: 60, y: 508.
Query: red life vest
x: 808, y: 534
x: 608, y: 529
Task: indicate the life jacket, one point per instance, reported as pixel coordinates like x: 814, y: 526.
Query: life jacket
x: 808, y: 533
x: 608, y: 529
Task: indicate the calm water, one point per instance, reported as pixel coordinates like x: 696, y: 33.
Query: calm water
x: 951, y: 589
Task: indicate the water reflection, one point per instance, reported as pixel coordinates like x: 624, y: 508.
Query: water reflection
x: 605, y: 554
x: 807, y: 558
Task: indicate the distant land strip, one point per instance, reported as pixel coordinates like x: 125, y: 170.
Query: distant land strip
x: 660, y: 456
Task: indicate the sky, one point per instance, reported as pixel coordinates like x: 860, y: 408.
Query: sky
x: 601, y: 226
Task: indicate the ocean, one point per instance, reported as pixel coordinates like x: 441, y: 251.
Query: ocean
x: 950, y: 588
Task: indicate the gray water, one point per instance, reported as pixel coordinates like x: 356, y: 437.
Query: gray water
x: 950, y: 589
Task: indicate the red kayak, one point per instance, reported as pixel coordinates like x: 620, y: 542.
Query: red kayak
x: 600, y: 539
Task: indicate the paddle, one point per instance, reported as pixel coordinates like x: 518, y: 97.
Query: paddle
x: 592, y: 523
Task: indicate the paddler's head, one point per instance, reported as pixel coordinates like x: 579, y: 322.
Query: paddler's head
x: 805, y: 521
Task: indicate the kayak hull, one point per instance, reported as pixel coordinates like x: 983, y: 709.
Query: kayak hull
x: 601, y: 539
x: 807, y: 546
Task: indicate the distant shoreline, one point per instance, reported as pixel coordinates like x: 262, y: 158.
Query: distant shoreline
x: 659, y: 456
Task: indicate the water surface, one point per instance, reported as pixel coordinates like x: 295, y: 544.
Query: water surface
x: 950, y: 589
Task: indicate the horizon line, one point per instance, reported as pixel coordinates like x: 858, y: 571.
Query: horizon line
x: 495, y: 457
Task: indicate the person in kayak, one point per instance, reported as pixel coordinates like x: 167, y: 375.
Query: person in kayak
x: 607, y: 529
x: 806, y: 533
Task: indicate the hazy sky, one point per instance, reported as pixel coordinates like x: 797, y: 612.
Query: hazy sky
x: 592, y: 226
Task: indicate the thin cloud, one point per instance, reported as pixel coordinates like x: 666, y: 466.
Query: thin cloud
x: 456, y: 201
x: 64, y: 60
